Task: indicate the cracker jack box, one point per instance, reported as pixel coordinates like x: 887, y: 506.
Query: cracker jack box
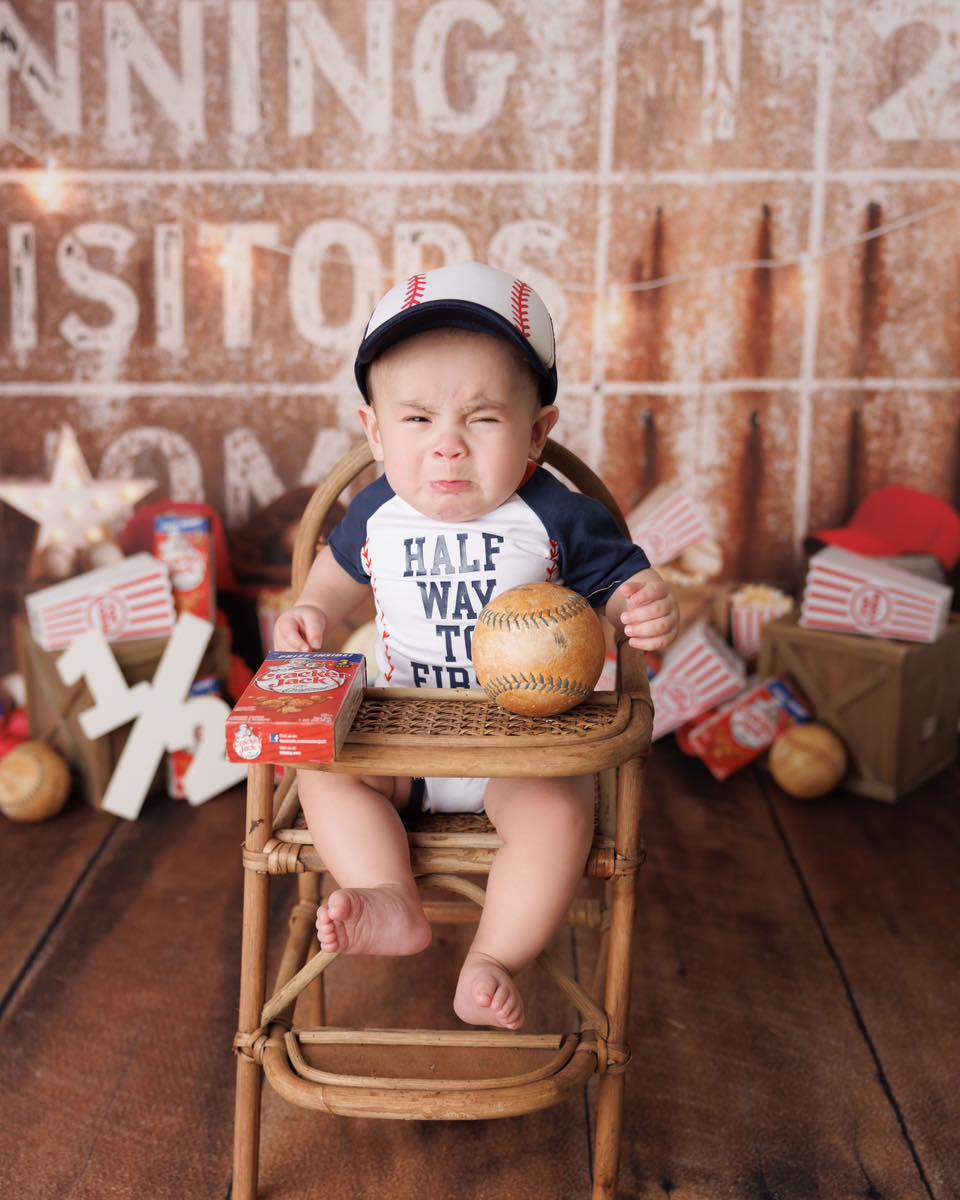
x: 185, y: 545
x: 742, y: 729
x: 297, y: 708
x: 180, y: 761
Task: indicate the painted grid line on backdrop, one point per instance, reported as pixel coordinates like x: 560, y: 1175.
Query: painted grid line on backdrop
x: 607, y: 117
x: 413, y: 178
x: 346, y: 389
x: 811, y: 308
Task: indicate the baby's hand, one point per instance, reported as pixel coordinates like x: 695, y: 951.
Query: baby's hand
x: 300, y: 628
x: 650, y: 618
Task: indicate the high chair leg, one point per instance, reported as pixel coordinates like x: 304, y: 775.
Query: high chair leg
x: 617, y: 991
x: 253, y: 982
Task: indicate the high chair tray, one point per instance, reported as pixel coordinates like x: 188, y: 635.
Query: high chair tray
x: 436, y: 732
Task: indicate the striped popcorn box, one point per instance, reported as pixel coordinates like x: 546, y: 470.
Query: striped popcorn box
x: 666, y: 522
x: 851, y: 593
x: 698, y: 672
x: 126, y: 601
x: 751, y: 607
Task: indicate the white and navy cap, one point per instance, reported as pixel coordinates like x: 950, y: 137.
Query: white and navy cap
x: 465, y: 296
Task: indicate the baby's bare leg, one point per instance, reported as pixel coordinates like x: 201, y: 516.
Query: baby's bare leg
x: 547, y: 829
x: 355, y: 826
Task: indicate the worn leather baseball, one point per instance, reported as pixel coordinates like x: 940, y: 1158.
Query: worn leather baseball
x: 808, y: 761
x: 538, y: 649
x: 34, y: 782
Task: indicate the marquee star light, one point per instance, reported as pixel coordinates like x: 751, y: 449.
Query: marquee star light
x: 75, y: 512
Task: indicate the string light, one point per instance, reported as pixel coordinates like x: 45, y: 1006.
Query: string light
x: 615, y: 316
x: 48, y: 188
x: 808, y: 278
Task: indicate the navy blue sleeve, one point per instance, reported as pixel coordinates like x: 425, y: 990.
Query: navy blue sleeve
x: 594, y: 556
x: 347, y: 539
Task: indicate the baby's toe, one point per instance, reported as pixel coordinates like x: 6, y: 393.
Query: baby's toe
x: 501, y: 999
x: 327, y: 933
x: 339, y: 906
x: 484, y: 991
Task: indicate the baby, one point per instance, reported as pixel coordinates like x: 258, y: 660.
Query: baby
x: 458, y: 372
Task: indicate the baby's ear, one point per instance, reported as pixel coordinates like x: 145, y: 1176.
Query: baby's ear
x: 544, y: 421
x: 371, y: 427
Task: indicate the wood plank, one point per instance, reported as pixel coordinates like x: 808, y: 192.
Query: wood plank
x: 750, y: 1077
x: 117, y: 1074
x: 884, y: 882
x: 39, y: 867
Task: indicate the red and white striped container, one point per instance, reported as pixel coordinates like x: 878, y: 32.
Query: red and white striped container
x: 127, y: 601
x: 852, y: 593
x: 666, y: 522
x: 751, y: 607
x: 699, y: 671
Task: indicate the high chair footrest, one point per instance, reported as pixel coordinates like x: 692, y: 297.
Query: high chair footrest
x: 435, y: 1074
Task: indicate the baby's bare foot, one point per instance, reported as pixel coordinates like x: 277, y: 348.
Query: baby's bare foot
x: 487, y: 994
x: 379, y: 920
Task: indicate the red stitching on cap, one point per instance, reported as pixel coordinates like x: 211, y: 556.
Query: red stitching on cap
x: 416, y: 286
x: 520, y: 303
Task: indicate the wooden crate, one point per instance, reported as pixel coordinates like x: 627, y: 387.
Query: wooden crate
x: 894, y: 704
x: 54, y: 709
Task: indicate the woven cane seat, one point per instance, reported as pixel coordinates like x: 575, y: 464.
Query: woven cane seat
x: 385, y: 718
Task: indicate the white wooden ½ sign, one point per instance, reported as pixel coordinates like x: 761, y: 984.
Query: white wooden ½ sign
x: 163, y: 715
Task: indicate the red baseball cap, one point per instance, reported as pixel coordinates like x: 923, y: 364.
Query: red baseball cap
x: 900, y: 520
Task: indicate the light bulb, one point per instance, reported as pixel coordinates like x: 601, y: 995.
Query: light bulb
x: 808, y: 278
x: 47, y: 187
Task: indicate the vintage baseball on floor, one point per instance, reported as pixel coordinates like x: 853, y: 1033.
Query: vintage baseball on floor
x: 34, y: 782
x: 538, y: 649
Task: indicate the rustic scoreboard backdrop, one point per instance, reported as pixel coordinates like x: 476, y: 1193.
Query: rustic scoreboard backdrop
x: 201, y: 202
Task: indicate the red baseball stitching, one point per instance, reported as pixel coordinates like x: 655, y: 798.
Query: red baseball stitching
x: 554, y: 559
x: 520, y: 303
x: 416, y: 286
x: 368, y: 563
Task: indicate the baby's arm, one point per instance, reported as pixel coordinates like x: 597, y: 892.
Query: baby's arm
x: 646, y: 609
x: 328, y: 596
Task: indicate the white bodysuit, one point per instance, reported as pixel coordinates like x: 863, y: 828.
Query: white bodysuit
x: 431, y: 578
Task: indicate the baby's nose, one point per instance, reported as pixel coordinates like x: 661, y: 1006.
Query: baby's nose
x: 449, y: 444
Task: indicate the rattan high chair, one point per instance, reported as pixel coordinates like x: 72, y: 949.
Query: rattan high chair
x: 428, y: 732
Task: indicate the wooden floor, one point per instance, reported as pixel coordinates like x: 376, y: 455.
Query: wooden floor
x: 796, y: 1026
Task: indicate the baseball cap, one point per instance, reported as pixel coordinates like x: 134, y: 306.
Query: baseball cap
x: 900, y: 520
x: 471, y: 296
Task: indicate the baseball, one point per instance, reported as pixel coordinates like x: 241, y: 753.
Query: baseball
x: 808, y: 761
x: 538, y: 649
x: 34, y: 782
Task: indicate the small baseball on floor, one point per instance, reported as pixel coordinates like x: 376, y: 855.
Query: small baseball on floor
x: 34, y: 782
x: 808, y: 761
x: 538, y: 649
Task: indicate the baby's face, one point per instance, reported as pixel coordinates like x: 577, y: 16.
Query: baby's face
x: 454, y: 420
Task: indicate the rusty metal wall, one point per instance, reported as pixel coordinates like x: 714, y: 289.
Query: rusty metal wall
x: 201, y: 202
